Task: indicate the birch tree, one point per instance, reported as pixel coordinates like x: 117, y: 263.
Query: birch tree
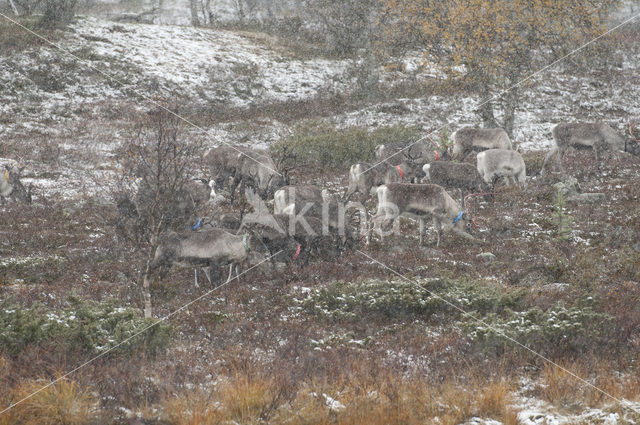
x: 490, y: 45
x: 158, y: 161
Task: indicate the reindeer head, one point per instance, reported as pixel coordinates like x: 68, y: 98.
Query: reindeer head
x: 10, y: 184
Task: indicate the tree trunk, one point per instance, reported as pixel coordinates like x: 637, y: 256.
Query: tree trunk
x: 13, y: 6
x: 486, y: 113
x: 146, y: 294
x: 511, y: 99
x: 510, y: 104
x: 195, y: 21
x: 240, y: 10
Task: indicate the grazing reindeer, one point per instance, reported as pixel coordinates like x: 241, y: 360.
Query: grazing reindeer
x: 223, y: 162
x: 416, y: 154
x: 455, y: 175
x: 243, y: 166
x: 181, y: 209
x: 10, y: 185
x: 495, y: 163
x: 206, y: 249
x: 291, y: 199
x: 259, y: 170
x: 364, y: 179
x: 597, y: 136
x: 420, y: 201
x: 296, y: 237
x: 310, y: 201
x: 470, y: 139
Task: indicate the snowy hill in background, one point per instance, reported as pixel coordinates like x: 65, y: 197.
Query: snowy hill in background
x: 75, y: 100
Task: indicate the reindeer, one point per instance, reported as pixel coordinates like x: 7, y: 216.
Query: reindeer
x: 10, y: 185
x: 243, y: 166
x: 289, y: 199
x: 223, y: 162
x: 365, y: 178
x: 420, y: 201
x: 259, y: 170
x: 471, y: 139
x: 206, y: 249
x: 416, y: 154
x: 297, y: 237
x: 495, y: 163
x: 455, y: 175
x: 182, y: 208
x: 597, y: 136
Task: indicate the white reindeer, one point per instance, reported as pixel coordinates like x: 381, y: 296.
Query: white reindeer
x: 289, y: 199
x: 420, y: 201
x: 495, y: 163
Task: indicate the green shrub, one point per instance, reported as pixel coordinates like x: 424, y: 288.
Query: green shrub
x: 562, y: 220
x: 86, y: 326
x: 32, y: 270
x: 558, y: 329
x: 404, y: 299
x: 320, y: 145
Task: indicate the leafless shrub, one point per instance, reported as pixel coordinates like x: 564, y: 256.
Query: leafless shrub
x: 156, y: 164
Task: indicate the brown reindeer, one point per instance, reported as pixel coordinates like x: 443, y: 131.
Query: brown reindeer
x: 470, y: 139
x: 420, y: 201
x: 597, y: 136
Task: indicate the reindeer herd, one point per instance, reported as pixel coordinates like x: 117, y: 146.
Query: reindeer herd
x: 413, y: 180
x: 306, y: 221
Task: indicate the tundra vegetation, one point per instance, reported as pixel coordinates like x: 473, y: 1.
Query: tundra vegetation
x: 331, y: 337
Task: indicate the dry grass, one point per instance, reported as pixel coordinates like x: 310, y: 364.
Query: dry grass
x: 64, y: 403
x: 194, y: 408
x: 493, y: 400
x: 346, y: 400
x: 558, y: 386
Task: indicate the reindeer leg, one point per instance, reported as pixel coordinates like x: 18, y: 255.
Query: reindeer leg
x: 207, y: 273
x: 436, y: 226
x: 230, y: 272
x: 195, y: 275
x: 365, y: 217
x: 421, y: 230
